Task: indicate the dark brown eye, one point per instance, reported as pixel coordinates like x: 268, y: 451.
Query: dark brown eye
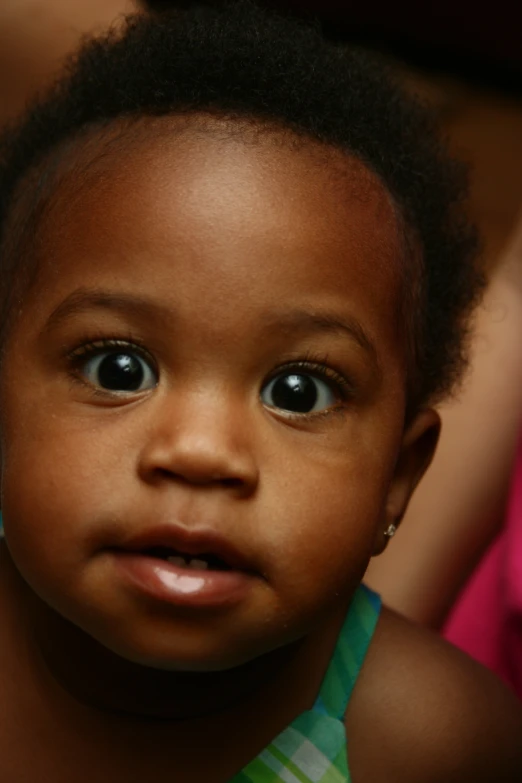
x: 119, y: 371
x: 298, y: 393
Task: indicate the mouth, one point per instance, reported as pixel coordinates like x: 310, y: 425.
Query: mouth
x: 194, y: 549
x: 185, y: 567
x: 200, y: 562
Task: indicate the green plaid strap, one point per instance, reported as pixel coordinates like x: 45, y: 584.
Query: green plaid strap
x: 313, y: 748
x: 350, y: 652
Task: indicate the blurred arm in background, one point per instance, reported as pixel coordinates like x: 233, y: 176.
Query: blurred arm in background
x: 36, y: 35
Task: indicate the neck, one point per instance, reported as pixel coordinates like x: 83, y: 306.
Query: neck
x: 98, y: 678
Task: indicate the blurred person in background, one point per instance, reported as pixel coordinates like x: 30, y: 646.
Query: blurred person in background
x: 36, y: 35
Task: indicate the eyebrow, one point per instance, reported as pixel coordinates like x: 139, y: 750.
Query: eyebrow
x: 294, y: 321
x: 85, y: 299
x: 305, y: 322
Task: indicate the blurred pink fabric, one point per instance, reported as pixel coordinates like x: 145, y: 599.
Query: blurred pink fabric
x: 486, y: 621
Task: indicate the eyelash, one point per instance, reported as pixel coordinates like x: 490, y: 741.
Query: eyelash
x: 316, y: 365
x: 320, y: 367
x: 94, y: 346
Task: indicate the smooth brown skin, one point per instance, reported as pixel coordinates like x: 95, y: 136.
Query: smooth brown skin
x: 222, y: 232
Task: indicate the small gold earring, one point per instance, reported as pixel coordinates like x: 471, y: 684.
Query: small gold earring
x: 390, y: 530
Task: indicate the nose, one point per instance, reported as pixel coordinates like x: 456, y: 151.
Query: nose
x: 200, y: 442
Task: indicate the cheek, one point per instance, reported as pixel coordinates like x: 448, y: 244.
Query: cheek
x: 325, y: 531
x: 59, y: 459
x: 53, y: 483
x: 40, y: 507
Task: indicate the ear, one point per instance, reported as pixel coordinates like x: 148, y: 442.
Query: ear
x: 417, y: 449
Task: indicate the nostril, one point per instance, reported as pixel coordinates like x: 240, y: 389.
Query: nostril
x: 224, y: 481
x: 231, y: 482
x: 198, y: 467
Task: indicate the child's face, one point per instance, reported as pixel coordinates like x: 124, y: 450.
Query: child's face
x: 251, y: 408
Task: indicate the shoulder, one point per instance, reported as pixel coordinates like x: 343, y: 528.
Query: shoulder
x: 423, y: 711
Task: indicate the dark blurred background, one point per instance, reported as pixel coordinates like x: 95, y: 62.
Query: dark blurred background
x: 465, y: 59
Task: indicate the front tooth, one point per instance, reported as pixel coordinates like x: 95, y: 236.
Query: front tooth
x: 177, y: 560
x: 200, y: 565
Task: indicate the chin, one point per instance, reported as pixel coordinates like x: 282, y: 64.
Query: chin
x: 194, y: 655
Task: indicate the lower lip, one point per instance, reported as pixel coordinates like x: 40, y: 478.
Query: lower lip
x: 180, y: 586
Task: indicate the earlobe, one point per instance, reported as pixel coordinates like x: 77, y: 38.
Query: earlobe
x: 417, y: 450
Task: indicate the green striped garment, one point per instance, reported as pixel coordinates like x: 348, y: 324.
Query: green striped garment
x: 313, y: 748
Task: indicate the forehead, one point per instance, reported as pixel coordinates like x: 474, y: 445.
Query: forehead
x: 223, y: 204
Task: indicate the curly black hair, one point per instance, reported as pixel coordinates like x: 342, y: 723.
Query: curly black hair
x: 240, y: 61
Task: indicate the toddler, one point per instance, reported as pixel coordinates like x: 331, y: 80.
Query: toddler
x: 235, y: 279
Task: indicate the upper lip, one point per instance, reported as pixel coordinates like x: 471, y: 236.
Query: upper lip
x: 188, y: 541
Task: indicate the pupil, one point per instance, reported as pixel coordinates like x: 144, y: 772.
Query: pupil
x: 296, y: 393
x: 120, y: 372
